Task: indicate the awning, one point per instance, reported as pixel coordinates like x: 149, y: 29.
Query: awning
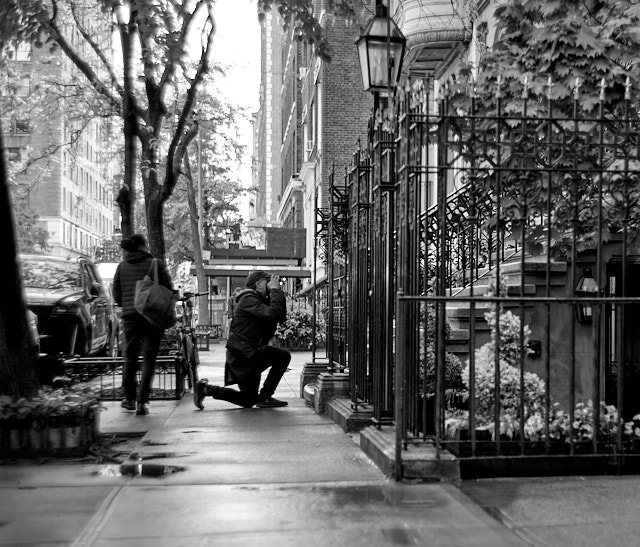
x: 242, y: 270
x: 320, y: 282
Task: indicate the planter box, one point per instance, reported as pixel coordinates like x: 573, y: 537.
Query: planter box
x: 460, y: 446
x: 62, y: 441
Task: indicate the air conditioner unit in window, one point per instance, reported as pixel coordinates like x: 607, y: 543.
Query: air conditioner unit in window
x: 302, y: 73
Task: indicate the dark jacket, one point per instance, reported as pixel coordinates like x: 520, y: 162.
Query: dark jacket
x: 131, y: 270
x: 255, y: 318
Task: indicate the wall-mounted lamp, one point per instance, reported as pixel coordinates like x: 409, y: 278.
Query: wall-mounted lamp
x: 380, y: 51
x: 586, y: 288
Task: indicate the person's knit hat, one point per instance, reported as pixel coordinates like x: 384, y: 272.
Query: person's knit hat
x: 256, y: 276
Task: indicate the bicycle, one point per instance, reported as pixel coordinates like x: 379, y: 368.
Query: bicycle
x: 187, y: 342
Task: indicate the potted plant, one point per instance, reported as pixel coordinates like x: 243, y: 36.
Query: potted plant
x: 38, y: 425
x: 296, y: 332
x: 55, y: 419
x: 56, y: 416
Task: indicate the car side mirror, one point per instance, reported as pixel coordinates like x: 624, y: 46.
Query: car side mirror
x: 95, y: 289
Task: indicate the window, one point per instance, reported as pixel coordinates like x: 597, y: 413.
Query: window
x: 23, y: 86
x: 14, y: 154
x: 22, y: 53
x: 19, y: 126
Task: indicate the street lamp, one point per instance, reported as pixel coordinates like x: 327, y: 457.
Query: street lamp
x: 380, y: 51
x: 586, y: 287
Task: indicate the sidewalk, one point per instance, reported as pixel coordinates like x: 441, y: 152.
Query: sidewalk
x: 268, y: 477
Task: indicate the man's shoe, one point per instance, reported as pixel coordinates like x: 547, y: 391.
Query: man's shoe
x: 270, y: 402
x: 199, y: 393
x: 141, y: 409
x: 129, y: 405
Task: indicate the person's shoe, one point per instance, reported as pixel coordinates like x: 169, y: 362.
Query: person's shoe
x: 199, y: 393
x: 141, y: 409
x: 127, y: 404
x: 270, y: 402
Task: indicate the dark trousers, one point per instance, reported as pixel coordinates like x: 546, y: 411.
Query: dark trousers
x: 276, y: 360
x: 139, y: 335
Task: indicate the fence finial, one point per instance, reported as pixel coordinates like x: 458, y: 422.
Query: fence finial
x: 603, y: 85
x: 627, y: 89
x: 525, y: 86
x: 550, y: 86
x: 576, y: 88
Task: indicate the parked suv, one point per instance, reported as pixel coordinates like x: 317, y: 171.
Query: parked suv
x: 75, y: 313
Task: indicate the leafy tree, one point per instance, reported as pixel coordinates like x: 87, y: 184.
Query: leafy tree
x: 558, y: 59
x: 140, y: 92
x: 220, y: 152
x: 157, y: 40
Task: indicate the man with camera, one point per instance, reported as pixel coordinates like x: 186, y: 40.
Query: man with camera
x: 258, y: 310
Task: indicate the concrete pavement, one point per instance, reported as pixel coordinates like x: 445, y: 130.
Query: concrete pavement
x: 268, y: 477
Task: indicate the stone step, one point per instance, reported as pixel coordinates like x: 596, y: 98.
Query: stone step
x: 513, y: 289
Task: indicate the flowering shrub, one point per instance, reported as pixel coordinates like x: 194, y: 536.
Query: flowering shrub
x: 297, y: 333
x: 452, y: 365
x: 561, y: 427
x: 510, y: 387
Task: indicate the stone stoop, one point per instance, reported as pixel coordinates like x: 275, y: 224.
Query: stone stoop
x: 328, y: 386
x: 529, y: 279
x: 349, y: 419
x: 310, y: 372
x: 418, y: 460
x: 309, y: 394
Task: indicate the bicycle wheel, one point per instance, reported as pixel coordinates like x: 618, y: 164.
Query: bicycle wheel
x: 190, y: 354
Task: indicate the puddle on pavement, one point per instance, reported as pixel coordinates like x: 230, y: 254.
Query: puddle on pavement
x: 356, y: 495
x: 138, y: 470
x: 377, y: 495
x: 154, y: 455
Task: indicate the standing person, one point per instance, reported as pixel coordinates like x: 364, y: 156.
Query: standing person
x: 139, y: 334
x: 258, y: 310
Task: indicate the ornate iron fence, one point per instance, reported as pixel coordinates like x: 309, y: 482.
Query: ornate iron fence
x: 510, y: 234
x: 545, y: 197
x: 358, y: 183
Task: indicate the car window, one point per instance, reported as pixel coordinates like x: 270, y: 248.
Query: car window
x: 92, y: 277
x: 41, y: 274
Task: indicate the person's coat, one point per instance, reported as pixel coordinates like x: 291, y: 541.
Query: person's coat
x: 131, y: 270
x: 255, y: 318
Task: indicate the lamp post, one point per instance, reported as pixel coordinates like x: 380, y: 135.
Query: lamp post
x: 380, y: 51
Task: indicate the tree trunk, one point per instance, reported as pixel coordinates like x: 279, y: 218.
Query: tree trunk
x: 154, y: 209
x: 18, y: 358
x: 127, y: 194
x: 203, y: 302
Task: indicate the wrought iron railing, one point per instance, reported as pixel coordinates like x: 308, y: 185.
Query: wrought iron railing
x: 451, y: 197
x: 544, y: 192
